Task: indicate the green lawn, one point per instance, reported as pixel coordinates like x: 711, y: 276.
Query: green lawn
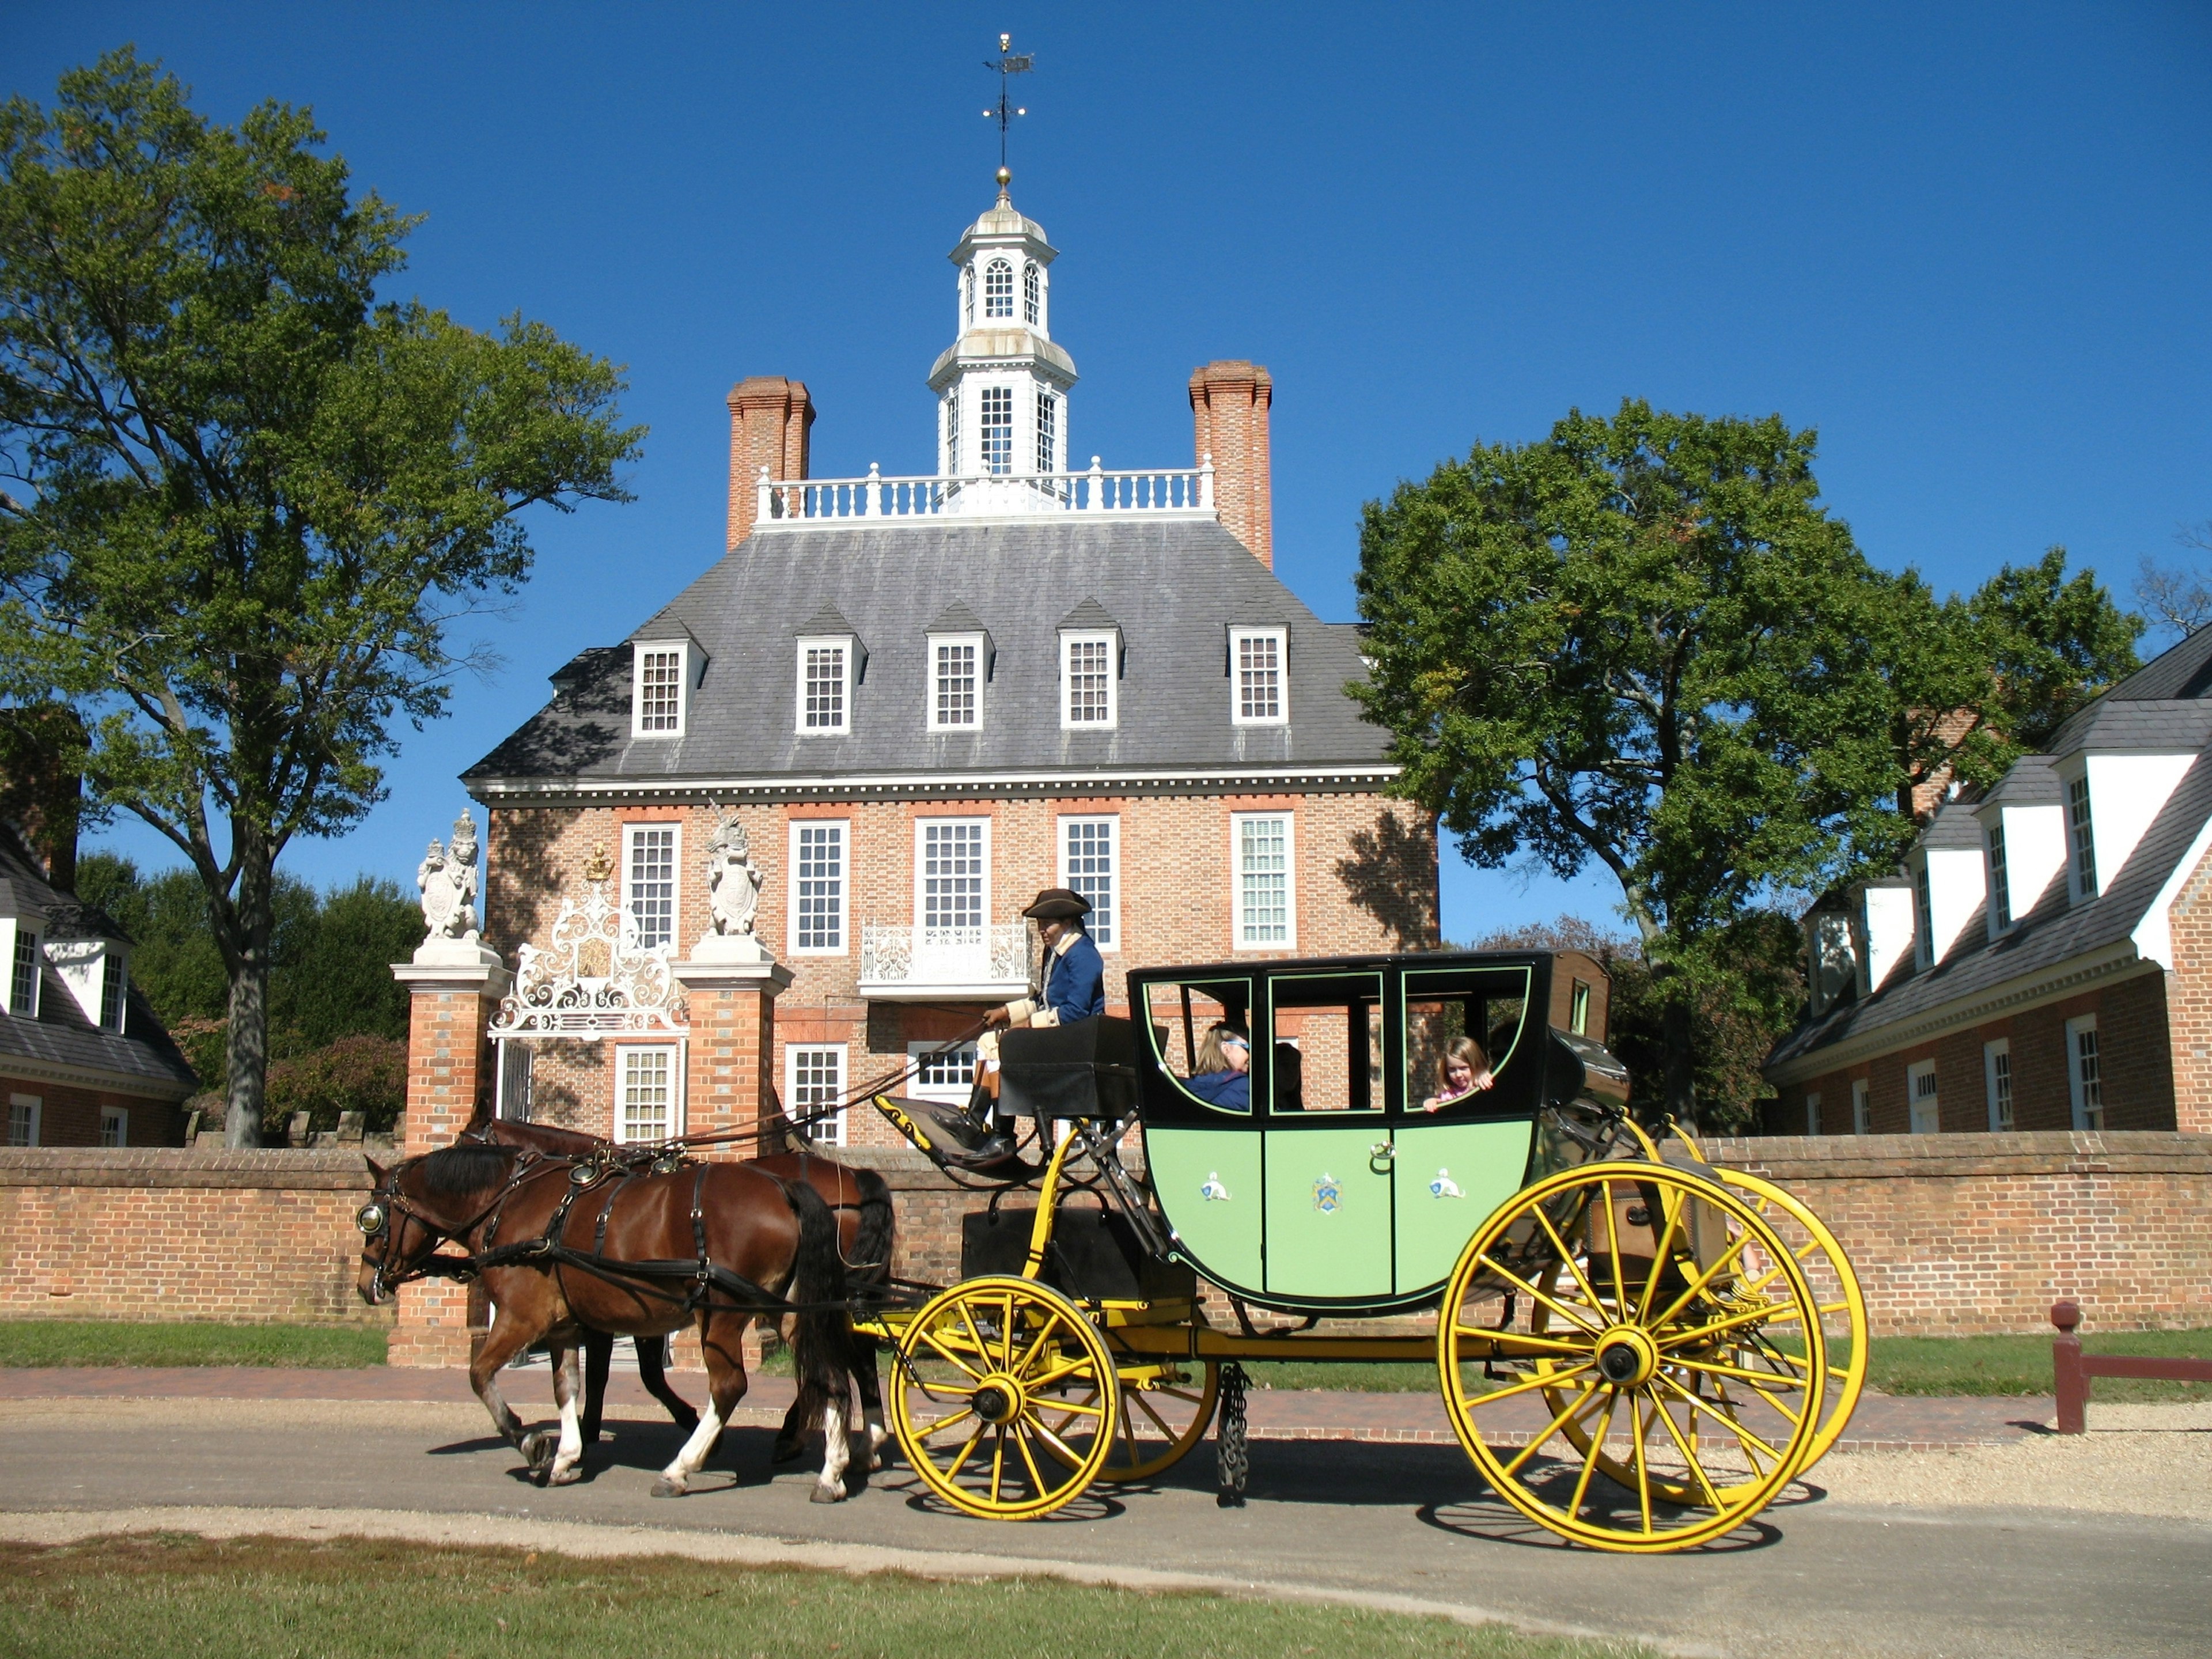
x: 2022, y: 1364
x: 120, y: 1342
x: 174, y: 1594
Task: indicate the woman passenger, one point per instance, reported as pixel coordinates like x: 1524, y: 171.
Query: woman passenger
x: 1223, y: 1071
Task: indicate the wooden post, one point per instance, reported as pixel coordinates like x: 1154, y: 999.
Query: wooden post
x: 2071, y: 1382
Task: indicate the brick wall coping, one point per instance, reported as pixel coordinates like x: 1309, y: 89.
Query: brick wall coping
x: 1835, y: 1157
x: 324, y: 1169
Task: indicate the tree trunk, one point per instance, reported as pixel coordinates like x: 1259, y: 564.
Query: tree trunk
x: 1676, y: 1027
x: 253, y: 919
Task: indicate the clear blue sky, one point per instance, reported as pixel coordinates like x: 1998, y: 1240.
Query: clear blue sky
x: 1970, y: 244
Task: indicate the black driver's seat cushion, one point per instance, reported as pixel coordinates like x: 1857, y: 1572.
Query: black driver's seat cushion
x: 953, y: 1139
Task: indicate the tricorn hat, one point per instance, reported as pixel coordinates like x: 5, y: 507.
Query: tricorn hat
x: 1059, y: 904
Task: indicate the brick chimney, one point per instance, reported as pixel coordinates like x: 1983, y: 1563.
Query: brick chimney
x: 42, y: 746
x: 1229, y: 411
x: 769, y: 417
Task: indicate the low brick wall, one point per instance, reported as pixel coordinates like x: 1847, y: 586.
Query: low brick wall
x: 1958, y: 1234
x: 90, y: 1232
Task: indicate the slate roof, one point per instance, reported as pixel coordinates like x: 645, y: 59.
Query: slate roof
x: 1170, y: 586
x: 2167, y: 704
x: 61, y: 1036
x: 1954, y: 826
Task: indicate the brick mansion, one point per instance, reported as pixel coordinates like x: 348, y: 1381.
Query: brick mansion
x: 905, y: 705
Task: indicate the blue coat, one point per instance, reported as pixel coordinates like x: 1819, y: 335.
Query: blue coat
x: 1075, y: 983
x: 1230, y: 1090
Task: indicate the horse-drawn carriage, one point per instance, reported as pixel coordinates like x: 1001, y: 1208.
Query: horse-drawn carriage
x: 1636, y: 1353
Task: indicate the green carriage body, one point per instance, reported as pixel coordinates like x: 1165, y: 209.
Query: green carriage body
x: 1334, y: 1191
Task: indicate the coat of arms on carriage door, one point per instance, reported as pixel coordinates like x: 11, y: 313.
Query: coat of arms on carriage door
x: 1328, y: 1195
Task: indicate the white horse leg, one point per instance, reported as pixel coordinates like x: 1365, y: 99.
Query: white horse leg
x: 837, y: 1455
x: 567, y: 1385
x: 873, y: 1414
x: 676, y: 1479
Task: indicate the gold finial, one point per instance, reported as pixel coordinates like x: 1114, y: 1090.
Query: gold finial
x: 1006, y: 178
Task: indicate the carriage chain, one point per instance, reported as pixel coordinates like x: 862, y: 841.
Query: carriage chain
x: 1230, y: 1451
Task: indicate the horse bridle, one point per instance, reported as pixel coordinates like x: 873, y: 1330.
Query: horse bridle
x: 374, y: 1218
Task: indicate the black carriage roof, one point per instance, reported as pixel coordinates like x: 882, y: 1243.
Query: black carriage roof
x: 1275, y: 967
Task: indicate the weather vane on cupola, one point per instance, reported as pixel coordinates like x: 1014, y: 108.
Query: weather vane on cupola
x: 1009, y: 63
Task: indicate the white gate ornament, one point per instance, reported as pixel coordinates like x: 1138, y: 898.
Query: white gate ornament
x: 594, y: 981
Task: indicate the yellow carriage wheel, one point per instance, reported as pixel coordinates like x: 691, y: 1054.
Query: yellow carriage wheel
x: 1636, y: 1275
x: 1164, y: 1414
x: 1005, y: 1400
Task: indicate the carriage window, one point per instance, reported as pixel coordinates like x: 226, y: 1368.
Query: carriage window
x: 1325, y: 1039
x: 1190, y: 1024
x: 1462, y: 1030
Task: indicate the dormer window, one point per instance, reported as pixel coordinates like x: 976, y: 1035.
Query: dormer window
x: 2084, y: 834
x: 1923, y: 910
x: 1258, y: 695
x: 2000, y: 881
x: 999, y: 290
x: 23, y: 973
x: 1032, y: 298
x: 956, y: 682
x: 113, y: 982
x: 825, y: 687
x: 1086, y: 680
x: 660, y: 676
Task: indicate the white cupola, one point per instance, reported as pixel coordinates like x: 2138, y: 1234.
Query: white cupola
x: 1002, y: 384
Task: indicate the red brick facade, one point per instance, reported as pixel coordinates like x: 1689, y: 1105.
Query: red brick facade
x: 71, y: 1117
x: 1364, y: 880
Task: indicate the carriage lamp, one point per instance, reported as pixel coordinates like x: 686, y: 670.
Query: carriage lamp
x: 369, y: 1218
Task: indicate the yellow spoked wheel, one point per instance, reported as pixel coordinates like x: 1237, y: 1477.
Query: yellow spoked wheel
x: 1165, y: 1409
x: 1600, y: 1421
x: 1005, y: 1397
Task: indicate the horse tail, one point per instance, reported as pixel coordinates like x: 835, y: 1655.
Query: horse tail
x: 878, y: 1232
x: 822, y: 1332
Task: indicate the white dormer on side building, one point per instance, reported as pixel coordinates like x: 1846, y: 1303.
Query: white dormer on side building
x: 2109, y: 797
x: 1831, y: 956
x: 22, y: 922
x: 1882, y: 918
x: 1946, y: 869
x: 2023, y: 822
x: 97, y: 973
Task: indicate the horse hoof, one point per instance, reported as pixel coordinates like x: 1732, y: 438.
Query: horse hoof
x: 568, y: 1477
x: 664, y: 1488
x: 823, y: 1494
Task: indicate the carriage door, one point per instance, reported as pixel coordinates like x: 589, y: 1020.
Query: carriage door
x: 1328, y: 1195
x: 1455, y: 1163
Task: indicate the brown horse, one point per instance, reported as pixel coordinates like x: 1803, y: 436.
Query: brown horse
x: 563, y: 1245
x: 859, y: 1199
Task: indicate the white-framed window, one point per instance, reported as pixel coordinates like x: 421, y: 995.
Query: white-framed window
x: 1923, y: 915
x: 114, y: 1125
x: 646, y: 1107
x: 952, y: 462
x: 967, y: 296
x: 1048, y: 432
x: 659, y: 674
x: 1258, y: 695
x: 114, y: 986
x: 952, y: 877
x: 2000, y: 880
x: 2084, y: 834
x: 817, y: 886
x: 512, y: 1104
x: 1578, y: 1007
x: 1812, y: 1112
x: 1262, y: 846
x: 956, y: 682
x: 1920, y: 1093
x: 1997, y: 1080
x: 998, y: 289
x: 814, y: 1079
x: 1032, y: 298
x: 649, y: 855
x: 1087, y: 682
x: 1862, y: 1107
x: 2085, y: 1074
x: 1090, y: 857
x: 825, y: 687
x: 23, y: 1112
x: 949, y: 1076
x: 998, y: 428
x: 24, y: 975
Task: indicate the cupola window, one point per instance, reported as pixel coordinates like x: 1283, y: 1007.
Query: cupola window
x: 1032, y: 296
x: 999, y: 290
x: 998, y: 428
x: 968, y: 297
x: 952, y: 431
x: 1047, y: 430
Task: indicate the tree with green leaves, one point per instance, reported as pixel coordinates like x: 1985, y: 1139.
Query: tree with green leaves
x: 1642, y: 642
x: 245, y: 499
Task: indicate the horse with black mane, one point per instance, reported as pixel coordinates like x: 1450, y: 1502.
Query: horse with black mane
x: 859, y: 1199
x: 564, y: 1245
